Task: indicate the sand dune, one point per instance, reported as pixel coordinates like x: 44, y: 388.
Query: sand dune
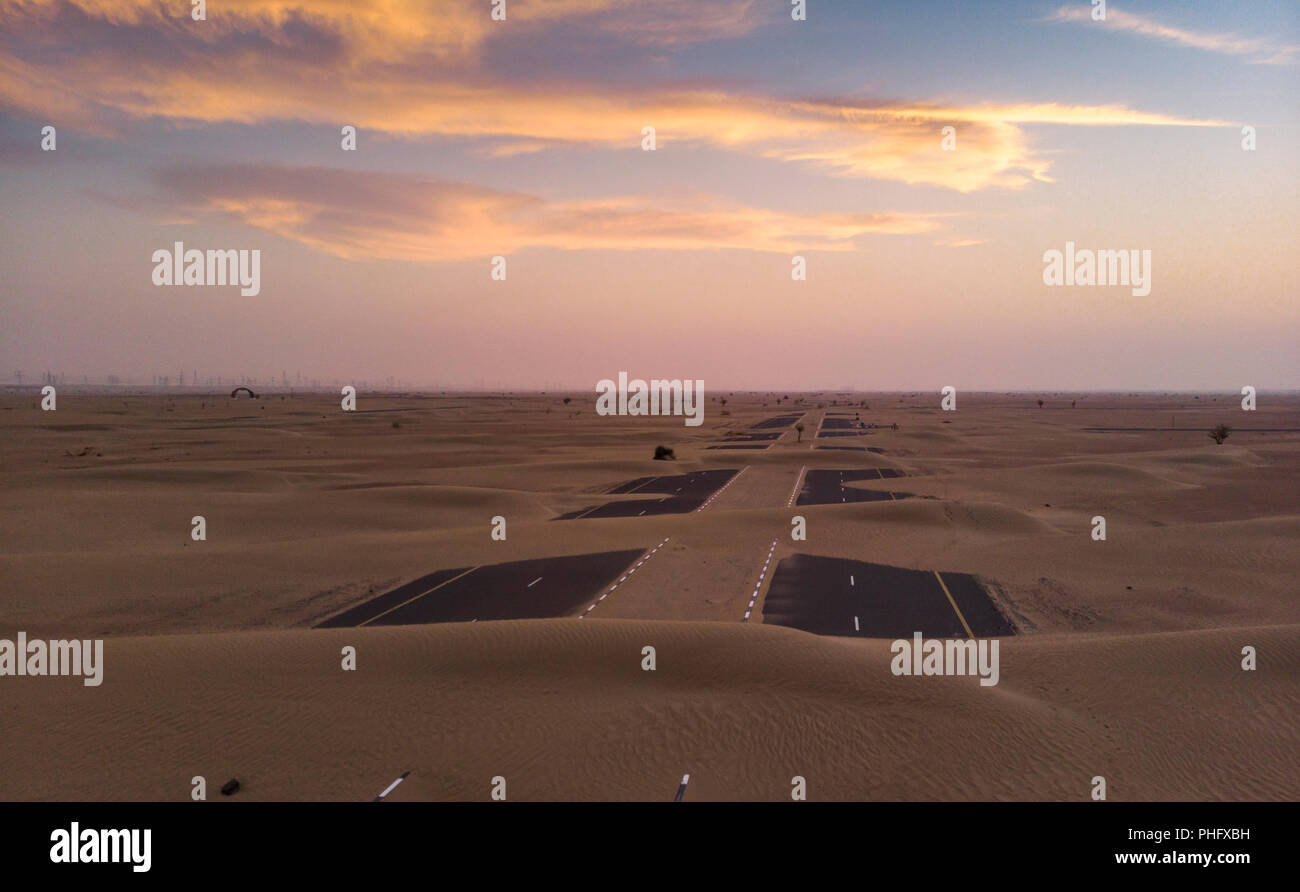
x: 562, y: 710
x: 1126, y: 662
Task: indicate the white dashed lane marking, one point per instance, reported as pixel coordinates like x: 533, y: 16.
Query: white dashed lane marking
x: 681, y: 790
x: 624, y: 577
x: 816, y: 432
x: 758, y: 585
x: 534, y: 582
x: 721, y: 491
x: 390, y: 787
x: 795, y: 492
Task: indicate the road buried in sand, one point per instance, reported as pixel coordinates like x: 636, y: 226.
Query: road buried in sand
x: 682, y: 493
x: 826, y: 487
x: 836, y: 596
x: 532, y: 589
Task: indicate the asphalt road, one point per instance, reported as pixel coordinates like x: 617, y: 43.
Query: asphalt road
x: 836, y: 596
x: 752, y: 438
x: 777, y: 421
x: 532, y: 589
x: 681, y: 493
x: 826, y: 486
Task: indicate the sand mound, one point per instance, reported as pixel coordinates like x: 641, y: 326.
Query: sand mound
x: 1220, y: 458
x: 563, y: 710
x: 984, y: 517
x: 204, y: 478
x: 1105, y: 475
x: 479, y: 502
x: 932, y: 437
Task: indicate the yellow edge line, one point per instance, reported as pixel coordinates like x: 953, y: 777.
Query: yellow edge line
x: 417, y: 597
x: 969, y: 633
x: 635, y: 488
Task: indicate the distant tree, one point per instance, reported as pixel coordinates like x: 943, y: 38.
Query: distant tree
x: 1220, y: 433
x: 799, y: 427
x: 1040, y: 404
x: 567, y: 400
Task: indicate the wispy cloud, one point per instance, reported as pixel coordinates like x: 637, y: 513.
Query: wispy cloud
x: 384, y: 67
x: 1260, y: 50
x: 374, y: 215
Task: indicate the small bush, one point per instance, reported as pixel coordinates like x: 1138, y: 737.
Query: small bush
x: 663, y: 453
x: 1220, y: 433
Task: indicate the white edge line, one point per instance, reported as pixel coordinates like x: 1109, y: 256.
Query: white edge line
x: 610, y: 590
x: 392, y: 786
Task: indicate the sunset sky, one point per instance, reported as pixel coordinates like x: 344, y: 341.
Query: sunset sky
x: 775, y: 138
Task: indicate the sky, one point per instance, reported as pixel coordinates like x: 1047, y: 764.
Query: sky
x: 774, y: 138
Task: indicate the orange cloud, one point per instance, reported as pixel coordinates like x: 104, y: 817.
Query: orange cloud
x: 381, y: 67
x: 400, y: 217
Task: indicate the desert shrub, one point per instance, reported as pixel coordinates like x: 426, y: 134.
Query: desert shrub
x: 663, y: 453
x: 1220, y: 433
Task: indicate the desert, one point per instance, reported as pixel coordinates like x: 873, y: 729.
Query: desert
x: 1125, y: 660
